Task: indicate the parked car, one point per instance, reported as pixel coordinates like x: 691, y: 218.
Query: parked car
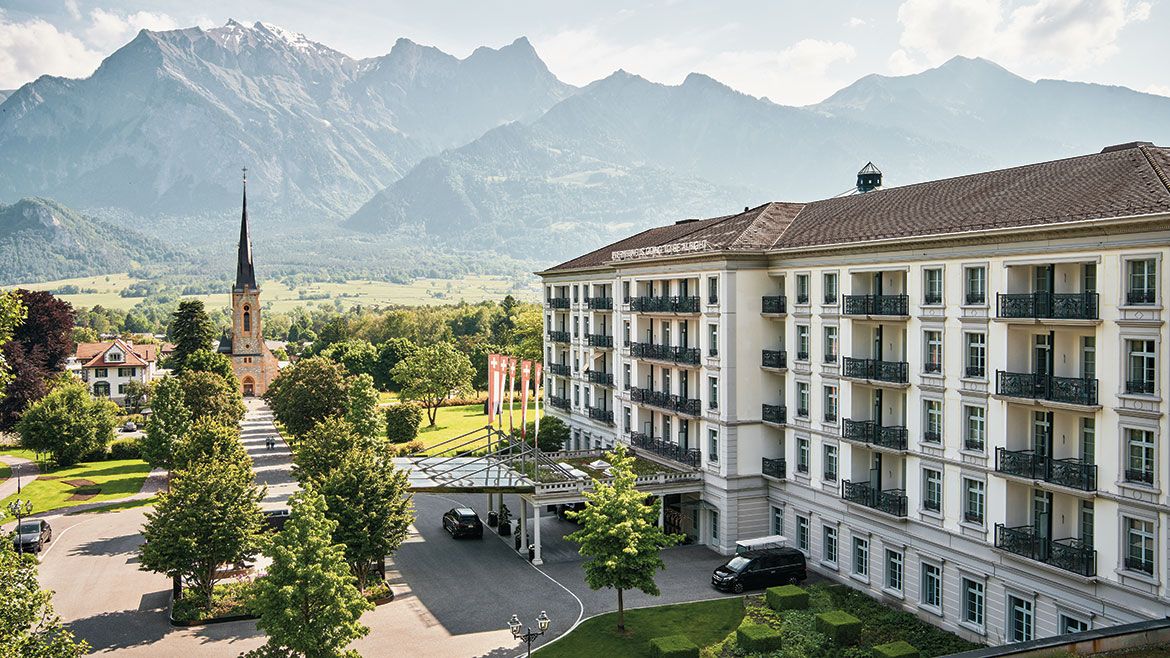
x: 32, y: 535
x: 276, y: 518
x: 463, y: 522
x: 759, y: 569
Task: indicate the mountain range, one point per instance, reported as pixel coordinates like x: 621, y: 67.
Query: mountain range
x: 421, y: 152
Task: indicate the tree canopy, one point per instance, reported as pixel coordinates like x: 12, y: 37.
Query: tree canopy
x: 170, y: 420
x: 307, y: 393
x: 28, y: 626
x: 362, y: 406
x: 208, y: 395
x: 36, y: 351
x: 191, y: 330
x: 432, y: 374
x: 205, y: 360
x: 68, y: 422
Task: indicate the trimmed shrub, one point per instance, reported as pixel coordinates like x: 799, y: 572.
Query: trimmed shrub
x: 787, y: 597
x: 899, y: 649
x: 402, y: 421
x: 842, y: 628
x: 757, y: 638
x: 673, y: 646
x: 125, y: 449
x: 406, y: 449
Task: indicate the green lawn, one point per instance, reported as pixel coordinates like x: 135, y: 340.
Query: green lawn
x: 5, y: 472
x: 454, y: 421
x: 115, y: 479
x: 13, y: 451
x: 705, y: 623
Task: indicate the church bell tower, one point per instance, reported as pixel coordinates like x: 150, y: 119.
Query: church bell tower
x: 247, y: 339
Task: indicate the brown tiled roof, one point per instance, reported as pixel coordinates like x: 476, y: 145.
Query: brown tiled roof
x: 93, y: 355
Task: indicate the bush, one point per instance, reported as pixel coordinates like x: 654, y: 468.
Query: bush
x: 402, y: 421
x: 842, y: 628
x: 899, y: 649
x: 673, y: 646
x: 406, y: 448
x: 125, y: 449
x: 757, y: 638
x: 787, y: 597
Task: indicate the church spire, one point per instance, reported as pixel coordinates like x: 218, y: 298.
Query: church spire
x: 245, y: 270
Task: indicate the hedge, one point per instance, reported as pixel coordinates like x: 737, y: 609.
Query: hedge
x: 899, y: 649
x: 787, y: 597
x: 757, y: 638
x: 402, y: 421
x: 842, y: 628
x: 673, y: 646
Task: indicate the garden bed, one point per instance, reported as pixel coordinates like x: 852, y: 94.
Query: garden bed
x: 229, y: 602
x: 379, y: 593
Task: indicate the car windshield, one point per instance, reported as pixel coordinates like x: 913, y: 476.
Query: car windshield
x: 738, y: 564
x: 29, y: 527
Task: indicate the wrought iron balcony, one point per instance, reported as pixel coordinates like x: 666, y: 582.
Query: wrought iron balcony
x: 869, y: 432
x: 931, y: 437
x: 1141, y: 297
x: 1048, y: 306
x: 802, y: 355
x: 675, y: 304
x: 559, y: 402
x: 604, y: 415
x: 775, y: 413
x: 1139, y: 564
x: 776, y: 468
x: 673, y: 451
x: 774, y: 359
x: 892, y: 305
x: 1068, y: 390
x: 890, y: 501
x: 599, y: 340
x: 681, y: 355
x: 1072, y: 473
x: 802, y: 298
x: 559, y: 336
x: 774, y: 304
x: 976, y: 298
x: 1070, y: 554
x: 932, y: 367
x: 603, y: 378
x: 558, y: 302
x: 896, y: 372
x: 1140, y: 475
x: 830, y: 298
x: 932, y: 299
x: 1140, y: 387
x: 600, y: 303
x: 562, y: 369
x: 673, y: 403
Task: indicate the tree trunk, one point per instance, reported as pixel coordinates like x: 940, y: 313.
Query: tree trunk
x: 432, y: 412
x: 621, y: 612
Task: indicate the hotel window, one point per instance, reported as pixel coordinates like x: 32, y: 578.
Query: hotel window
x: 714, y: 525
x: 801, y: 288
x: 626, y: 374
x: 830, y: 283
x: 802, y: 342
x: 931, y: 585
x: 933, y: 341
x: 1139, y: 545
x: 1069, y: 624
x: 576, y: 327
x: 576, y: 294
x: 1089, y: 357
x: 712, y: 290
x: 1089, y: 277
x: 973, y: 501
x: 712, y: 392
x: 1139, y: 466
x: 626, y: 292
x: 627, y: 417
x: 1143, y: 281
x: 626, y: 333
x: 1142, y: 367
x: 975, y: 422
x: 893, y: 570
x: 712, y: 340
x: 802, y: 449
x: 802, y: 399
x: 713, y: 446
x: 932, y: 286
x: 976, y: 285
x: 973, y: 602
x: 576, y: 395
x: 777, y: 521
x: 1087, y: 522
x: 829, y: 546
x: 830, y: 344
x: 100, y: 372
x: 830, y: 463
x: 976, y: 355
x: 933, y: 412
x: 830, y: 404
x: 932, y: 489
x: 802, y: 533
x: 1089, y: 440
x: 861, y: 557
x: 1019, y: 619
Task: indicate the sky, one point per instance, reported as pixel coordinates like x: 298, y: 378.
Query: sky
x: 794, y: 52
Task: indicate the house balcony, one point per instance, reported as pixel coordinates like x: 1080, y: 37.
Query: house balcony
x: 680, y: 355
x: 666, y: 401
x: 562, y: 369
x: 560, y: 303
x: 889, y: 501
x: 603, y: 378
x: 894, y: 372
x: 559, y: 402
x: 775, y: 414
x: 1072, y: 473
x: 775, y: 468
x: 559, y: 336
x: 664, y: 304
x: 877, y: 305
x: 600, y: 340
x: 1048, y: 306
x: 603, y: 415
x: 1069, y: 554
x: 600, y: 303
x: 774, y: 359
x: 773, y: 305
x: 1034, y: 386
x: 1139, y: 387
x: 892, y: 437
x: 672, y: 451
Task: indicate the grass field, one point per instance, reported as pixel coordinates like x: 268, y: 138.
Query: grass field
x: 113, y: 480
x: 5, y: 472
x: 705, y: 623
x: 13, y: 451
x: 283, y: 298
x: 453, y: 421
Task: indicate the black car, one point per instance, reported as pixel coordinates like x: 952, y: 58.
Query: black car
x: 276, y: 518
x: 759, y: 569
x: 463, y: 522
x: 32, y: 535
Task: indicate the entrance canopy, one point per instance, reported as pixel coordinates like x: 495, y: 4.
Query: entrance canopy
x: 466, y: 474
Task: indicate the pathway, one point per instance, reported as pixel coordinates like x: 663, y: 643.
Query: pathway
x: 23, y: 472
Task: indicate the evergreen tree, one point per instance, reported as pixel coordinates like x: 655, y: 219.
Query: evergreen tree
x: 402, y: 421
x: 191, y: 330
x: 322, y: 448
x: 208, y: 361
x: 362, y: 406
x: 170, y: 420
x: 28, y: 626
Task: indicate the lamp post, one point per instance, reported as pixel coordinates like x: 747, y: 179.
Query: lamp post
x: 527, y: 635
x: 20, y: 509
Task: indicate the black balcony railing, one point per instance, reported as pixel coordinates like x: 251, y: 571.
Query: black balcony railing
x: 890, y: 501
x: 932, y: 299
x: 600, y: 303
x: 1069, y: 390
x: 599, y: 340
x: 775, y: 413
x: 975, y: 372
x: 976, y: 298
x: 1140, y: 387
x: 682, y: 355
x: 672, y: 451
x: 673, y: 403
x: 893, y: 305
x: 774, y: 359
x: 1069, y: 554
x: 932, y: 367
x: 931, y: 437
x: 869, y: 432
x: 562, y: 369
x: 675, y: 304
x: 604, y: 415
x: 974, y: 444
x: 1050, y: 306
x: 802, y: 298
x: 774, y: 304
x: 559, y: 336
x: 1140, y: 297
x: 1073, y: 473
x: 973, y: 517
x: 1139, y: 564
x: 830, y: 298
x: 802, y: 355
x: 1140, y: 475
x: 603, y: 378
x: 559, y: 402
x: 776, y: 468
x: 558, y: 302
x: 883, y: 371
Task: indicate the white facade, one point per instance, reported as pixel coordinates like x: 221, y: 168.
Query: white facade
x: 107, y: 368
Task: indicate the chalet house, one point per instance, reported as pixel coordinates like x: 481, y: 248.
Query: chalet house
x: 107, y: 367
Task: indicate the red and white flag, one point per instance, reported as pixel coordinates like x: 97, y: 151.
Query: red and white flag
x: 525, y: 376
x: 493, y: 365
x: 536, y: 386
x: 511, y: 390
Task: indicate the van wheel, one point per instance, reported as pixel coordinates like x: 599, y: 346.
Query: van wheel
x: 737, y: 588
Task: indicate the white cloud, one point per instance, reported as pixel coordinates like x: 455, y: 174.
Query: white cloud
x: 855, y: 21
x: 797, y: 75
x: 109, y: 30
x: 33, y: 48
x: 1161, y: 90
x: 71, y: 7
x: 580, y: 56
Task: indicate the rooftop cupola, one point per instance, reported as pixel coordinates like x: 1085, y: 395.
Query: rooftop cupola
x: 869, y: 178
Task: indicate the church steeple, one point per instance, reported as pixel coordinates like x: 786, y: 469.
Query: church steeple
x: 245, y: 270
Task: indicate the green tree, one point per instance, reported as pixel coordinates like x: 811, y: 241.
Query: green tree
x: 308, y: 603
x: 209, y: 517
x: 208, y: 361
x: 402, y: 421
x: 432, y: 374
x: 209, y: 440
x: 389, y: 354
x: 619, y: 534
x: 136, y: 393
x: 12, y: 312
x: 362, y: 406
x: 529, y: 334
x: 170, y: 420
x: 191, y: 330
x: 554, y: 433
x: 85, y: 335
x: 28, y: 626
x: 370, y: 501
x: 208, y: 395
x: 322, y: 448
x: 357, y: 355
x: 68, y: 423
x: 307, y: 393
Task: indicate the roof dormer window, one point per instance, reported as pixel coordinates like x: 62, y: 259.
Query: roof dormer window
x: 115, y: 357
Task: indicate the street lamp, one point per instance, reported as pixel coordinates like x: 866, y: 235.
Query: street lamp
x: 527, y: 635
x: 20, y: 509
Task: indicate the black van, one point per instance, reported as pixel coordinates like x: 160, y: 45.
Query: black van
x: 759, y: 569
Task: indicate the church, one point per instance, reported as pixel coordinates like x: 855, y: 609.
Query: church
x: 254, y: 364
